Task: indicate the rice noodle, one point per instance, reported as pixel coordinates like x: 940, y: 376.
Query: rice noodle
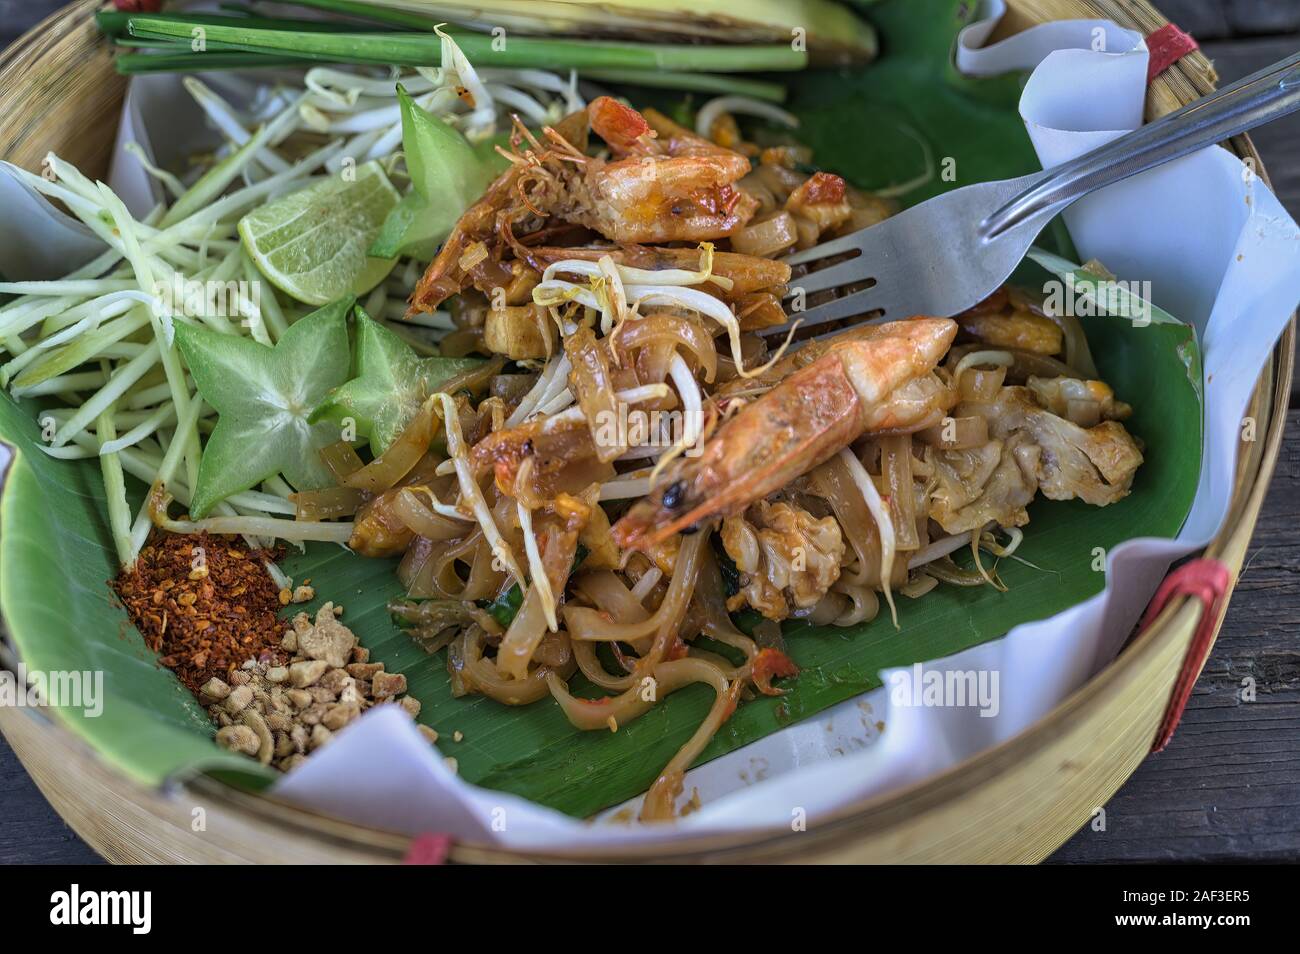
x: 881, y: 515
x: 1000, y: 358
x: 643, y: 276
x: 465, y: 660
x: 540, y: 582
x: 692, y: 412
x: 704, y: 304
x: 746, y: 105
x: 553, y: 291
x: 589, y: 624
x: 401, y: 456
x: 584, y: 653
x: 159, y: 500
x: 526, y: 631
x: 669, y: 329
x: 610, y: 712
x: 833, y: 481
x: 593, y: 388
x: 896, y: 469
x: 433, y: 523
x: 469, y: 489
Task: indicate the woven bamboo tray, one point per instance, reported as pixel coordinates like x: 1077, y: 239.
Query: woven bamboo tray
x: 1015, y: 803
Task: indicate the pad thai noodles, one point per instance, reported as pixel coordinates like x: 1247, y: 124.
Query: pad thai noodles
x: 637, y: 487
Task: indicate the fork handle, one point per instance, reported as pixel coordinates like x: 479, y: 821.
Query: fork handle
x: 1259, y: 98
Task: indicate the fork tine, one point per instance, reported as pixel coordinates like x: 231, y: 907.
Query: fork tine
x: 838, y: 246
x: 846, y: 307
x: 820, y: 280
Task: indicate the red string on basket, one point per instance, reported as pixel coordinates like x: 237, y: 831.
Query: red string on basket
x: 1168, y: 45
x: 431, y: 848
x: 1208, y: 581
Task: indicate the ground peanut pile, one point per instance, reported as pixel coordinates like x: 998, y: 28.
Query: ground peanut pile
x: 278, y: 713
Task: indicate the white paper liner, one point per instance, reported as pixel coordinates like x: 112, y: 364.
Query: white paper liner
x: 1229, y: 262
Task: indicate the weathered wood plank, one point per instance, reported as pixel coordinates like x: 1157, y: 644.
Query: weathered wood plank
x: 1254, y: 17
x: 32, y: 831
x: 1203, y: 19
x: 16, y: 16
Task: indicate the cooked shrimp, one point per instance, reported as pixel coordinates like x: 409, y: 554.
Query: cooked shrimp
x: 666, y: 189
x: 515, y: 202
x: 808, y: 354
x: 797, y: 425
x: 680, y: 188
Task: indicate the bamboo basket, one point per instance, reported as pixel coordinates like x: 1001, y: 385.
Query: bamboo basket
x: 1017, y: 802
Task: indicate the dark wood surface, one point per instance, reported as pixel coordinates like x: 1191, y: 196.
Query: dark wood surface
x: 1228, y: 787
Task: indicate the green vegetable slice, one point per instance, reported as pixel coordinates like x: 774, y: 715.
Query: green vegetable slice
x: 390, y: 385
x: 313, y: 244
x: 447, y: 175
x: 264, y: 397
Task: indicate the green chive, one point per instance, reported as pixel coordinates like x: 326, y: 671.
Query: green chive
x: 408, y: 49
x: 692, y: 82
x: 115, y: 23
x: 131, y: 64
x: 366, y: 11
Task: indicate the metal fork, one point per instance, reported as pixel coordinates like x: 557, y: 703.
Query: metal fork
x: 951, y: 252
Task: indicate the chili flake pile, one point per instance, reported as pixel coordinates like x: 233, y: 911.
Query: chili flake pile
x: 204, y: 603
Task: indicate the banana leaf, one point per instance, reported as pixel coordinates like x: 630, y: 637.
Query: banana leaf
x: 55, y: 551
x: 56, y: 556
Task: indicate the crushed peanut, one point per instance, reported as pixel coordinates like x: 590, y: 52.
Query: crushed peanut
x: 279, y: 713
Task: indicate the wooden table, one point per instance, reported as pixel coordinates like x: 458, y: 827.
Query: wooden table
x: 1228, y: 787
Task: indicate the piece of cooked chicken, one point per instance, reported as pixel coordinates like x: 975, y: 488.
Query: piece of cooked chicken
x: 1094, y: 464
x: 993, y: 482
x: 784, y: 556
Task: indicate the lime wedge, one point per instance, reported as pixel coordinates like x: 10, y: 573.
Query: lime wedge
x: 311, y: 244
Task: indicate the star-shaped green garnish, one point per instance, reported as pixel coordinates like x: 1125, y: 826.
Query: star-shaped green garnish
x: 390, y: 384
x: 264, y: 397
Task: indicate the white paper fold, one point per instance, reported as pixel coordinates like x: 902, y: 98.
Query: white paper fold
x: 1219, y: 251
x: 37, y: 241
